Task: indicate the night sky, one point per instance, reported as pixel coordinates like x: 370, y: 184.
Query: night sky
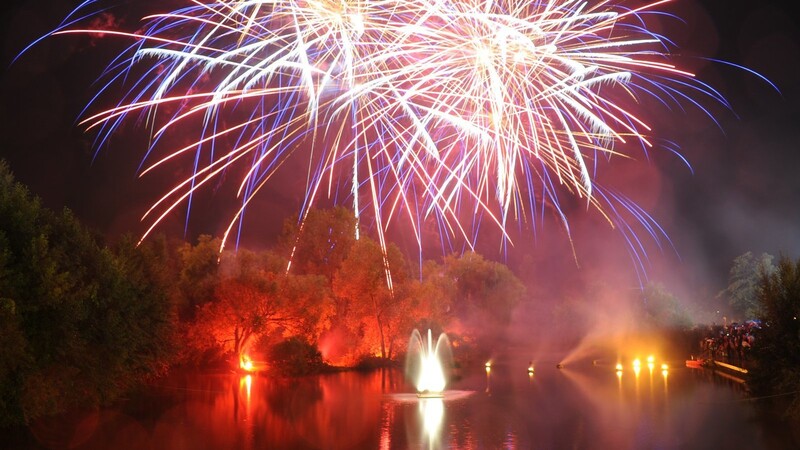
x: 741, y: 194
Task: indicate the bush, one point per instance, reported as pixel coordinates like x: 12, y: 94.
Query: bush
x: 370, y: 362
x: 294, y: 357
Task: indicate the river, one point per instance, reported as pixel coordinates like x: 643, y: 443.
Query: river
x: 581, y: 406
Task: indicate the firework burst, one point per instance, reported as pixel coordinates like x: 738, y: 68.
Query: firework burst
x: 429, y: 110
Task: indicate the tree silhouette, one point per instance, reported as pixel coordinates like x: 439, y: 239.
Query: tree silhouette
x: 777, y: 343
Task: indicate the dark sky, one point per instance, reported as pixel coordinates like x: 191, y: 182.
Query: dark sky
x: 741, y: 196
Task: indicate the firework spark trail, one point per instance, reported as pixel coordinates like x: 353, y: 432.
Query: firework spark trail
x: 438, y: 107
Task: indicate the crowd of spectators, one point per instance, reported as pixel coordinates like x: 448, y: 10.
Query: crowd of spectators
x: 730, y: 343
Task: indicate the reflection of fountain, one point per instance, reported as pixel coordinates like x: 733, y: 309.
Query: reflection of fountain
x: 425, y: 363
x: 432, y: 412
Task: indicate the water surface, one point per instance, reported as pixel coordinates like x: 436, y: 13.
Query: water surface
x: 582, y: 406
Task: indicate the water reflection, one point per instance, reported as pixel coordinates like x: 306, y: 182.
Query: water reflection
x: 573, y: 407
x: 488, y: 366
x: 432, y: 413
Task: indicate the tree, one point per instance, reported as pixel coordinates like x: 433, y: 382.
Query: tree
x: 666, y: 320
x: 373, y: 309
x: 311, y: 302
x: 663, y: 310
x: 241, y: 310
x: 744, y: 284
x: 14, y: 352
x: 80, y: 325
x: 253, y: 298
x: 199, y: 274
x: 321, y: 242
x: 486, y: 294
x: 777, y: 344
x: 149, y: 310
x: 436, y: 293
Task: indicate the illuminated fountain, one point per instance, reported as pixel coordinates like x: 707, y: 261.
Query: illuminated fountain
x: 426, y: 366
x: 425, y: 363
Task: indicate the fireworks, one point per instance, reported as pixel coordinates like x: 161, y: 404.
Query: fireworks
x: 429, y: 110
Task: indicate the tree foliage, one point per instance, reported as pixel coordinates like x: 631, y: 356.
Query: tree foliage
x: 322, y: 243
x: 437, y: 294
x: 486, y: 294
x: 373, y: 310
x: 255, y: 296
x: 199, y: 275
x: 662, y: 309
x: 777, y: 347
x: 79, y: 324
x: 295, y: 356
x: 744, y: 284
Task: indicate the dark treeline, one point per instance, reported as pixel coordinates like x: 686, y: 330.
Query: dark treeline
x: 81, y: 323
x: 769, y: 294
x: 777, y: 343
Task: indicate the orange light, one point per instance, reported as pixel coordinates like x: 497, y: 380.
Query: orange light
x: 619, y: 367
x: 246, y: 363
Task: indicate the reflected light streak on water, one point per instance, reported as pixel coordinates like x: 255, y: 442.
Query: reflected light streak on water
x: 488, y: 366
x: 248, y: 386
x: 386, y: 428
x: 432, y: 414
